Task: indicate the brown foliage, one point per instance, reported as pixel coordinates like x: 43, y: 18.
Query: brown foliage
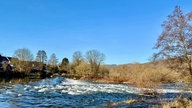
x: 25, y: 66
x: 83, y: 69
x: 143, y: 75
x: 21, y: 66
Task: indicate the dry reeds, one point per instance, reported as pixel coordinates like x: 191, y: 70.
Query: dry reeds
x: 143, y: 75
x: 179, y: 103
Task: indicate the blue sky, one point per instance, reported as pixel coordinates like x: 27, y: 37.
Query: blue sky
x: 124, y: 30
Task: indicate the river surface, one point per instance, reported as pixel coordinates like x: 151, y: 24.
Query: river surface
x: 61, y: 92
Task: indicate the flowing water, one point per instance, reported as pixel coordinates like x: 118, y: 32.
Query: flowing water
x: 61, y: 92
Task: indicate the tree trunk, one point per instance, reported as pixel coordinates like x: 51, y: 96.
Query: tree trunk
x: 190, y: 68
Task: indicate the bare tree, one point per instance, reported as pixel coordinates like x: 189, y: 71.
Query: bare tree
x: 53, y: 60
x: 23, y: 54
x: 23, y: 61
x: 77, y: 58
x: 95, y: 59
x: 175, y: 42
x: 41, y: 56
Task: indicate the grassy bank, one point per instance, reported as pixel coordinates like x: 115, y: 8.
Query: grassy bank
x: 148, y: 74
x: 143, y: 75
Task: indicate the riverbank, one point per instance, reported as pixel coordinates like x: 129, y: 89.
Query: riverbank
x: 141, y: 79
x: 144, y: 82
x: 142, y: 75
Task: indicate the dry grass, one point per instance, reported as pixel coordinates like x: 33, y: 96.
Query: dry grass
x: 132, y: 101
x: 111, y: 104
x: 148, y: 75
x: 179, y: 103
x: 143, y: 75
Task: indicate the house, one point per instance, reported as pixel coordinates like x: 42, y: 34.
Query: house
x: 4, y: 59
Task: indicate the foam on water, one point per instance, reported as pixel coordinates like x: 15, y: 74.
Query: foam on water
x: 69, y: 92
x: 71, y: 86
x: 75, y: 87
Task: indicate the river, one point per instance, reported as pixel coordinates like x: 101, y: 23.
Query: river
x: 61, y: 92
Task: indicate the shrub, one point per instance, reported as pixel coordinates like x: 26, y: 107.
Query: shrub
x: 143, y: 75
x: 54, y: 69
x: 83, y: 69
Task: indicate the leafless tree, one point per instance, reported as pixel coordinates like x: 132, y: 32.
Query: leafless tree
x: 53, y: 60
x: 23, y: 54
x: 23, y: 61
x: 94, y: 59
x: 77, y: 58
x: 175, y: 42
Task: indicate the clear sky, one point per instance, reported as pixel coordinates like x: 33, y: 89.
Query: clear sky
x: 124, y: 30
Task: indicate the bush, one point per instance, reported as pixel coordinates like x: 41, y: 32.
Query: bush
x: 54, y: 69
x: 103, y: 71
x: 143, y: 75
x: 83, y: 69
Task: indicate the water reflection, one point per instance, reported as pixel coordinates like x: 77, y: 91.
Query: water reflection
x: 12, y: 81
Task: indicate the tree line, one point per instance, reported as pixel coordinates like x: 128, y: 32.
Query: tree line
x: 89, y: 64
